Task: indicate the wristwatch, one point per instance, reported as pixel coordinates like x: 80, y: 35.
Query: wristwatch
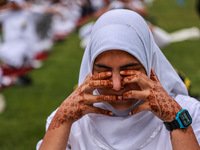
x: 182, y: 121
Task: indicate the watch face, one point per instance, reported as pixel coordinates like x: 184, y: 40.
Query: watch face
x: 185, y: 118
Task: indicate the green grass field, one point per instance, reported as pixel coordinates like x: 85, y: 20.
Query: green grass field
x: 22, y: 124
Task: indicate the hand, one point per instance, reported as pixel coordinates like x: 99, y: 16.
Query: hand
x: 153, y: 95
x: 81, y: 101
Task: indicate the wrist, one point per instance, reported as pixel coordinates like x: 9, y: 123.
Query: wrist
x: 182, y: 121
x: 172, y: 116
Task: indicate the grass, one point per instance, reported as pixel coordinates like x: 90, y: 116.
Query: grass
x: 22, y: 124
x: 184, y: 56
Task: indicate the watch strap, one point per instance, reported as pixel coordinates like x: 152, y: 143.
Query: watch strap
x: 172, y: 125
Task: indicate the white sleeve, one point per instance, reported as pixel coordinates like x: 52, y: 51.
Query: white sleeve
x: 193, y: 106
x: 48, y: 121
x: 196, y: 120
x: 4, y: 15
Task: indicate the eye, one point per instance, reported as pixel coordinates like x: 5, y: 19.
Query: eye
x: 100, y: 70
x: 103, y: 70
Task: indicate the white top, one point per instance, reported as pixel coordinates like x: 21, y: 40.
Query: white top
x: 14, y: 23
x: 82, y: 135
x: 126, y: 30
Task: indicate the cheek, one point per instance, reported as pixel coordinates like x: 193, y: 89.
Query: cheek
x: 133, y: 86
x: 94, y: 72
x: 143, y: 71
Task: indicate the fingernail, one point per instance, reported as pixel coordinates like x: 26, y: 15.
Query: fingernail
x: 130, y: 113
x: 111, y: 113
x: 109, y: 73
x: 119, y: 98
x: 121, y: 72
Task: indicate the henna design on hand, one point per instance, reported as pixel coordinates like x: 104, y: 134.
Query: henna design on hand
x: 153, y: 95
x: 80, y: 102
x: 162, y: 105
x: 71, y: 109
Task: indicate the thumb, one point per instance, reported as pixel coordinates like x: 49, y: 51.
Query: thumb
x: 154, y: 77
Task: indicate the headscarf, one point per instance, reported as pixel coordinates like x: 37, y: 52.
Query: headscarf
x: 126, y: 30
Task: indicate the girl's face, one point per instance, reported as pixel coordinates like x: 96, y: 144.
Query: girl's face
x: 116, y: 61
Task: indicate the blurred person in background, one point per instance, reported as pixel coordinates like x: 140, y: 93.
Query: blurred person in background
x: 16, y: 50
x: 162, y: 37
x: 18, y: 46
x: 24, y: 36
x: 64, y: 23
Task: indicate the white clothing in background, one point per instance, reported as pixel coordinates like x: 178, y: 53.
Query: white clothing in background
x: 13, y: 24
x: 163, y: 38
x: 96, y: 5
x: 16, y: 46
x: 84, y: 34
x: 83, y: 132
x: 62, y: 24
x: 0, y: 42
x: 37, y: 14
x: 116, y: 5
x: 19, y: 2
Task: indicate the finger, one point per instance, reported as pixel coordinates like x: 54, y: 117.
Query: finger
x: 135, y: 94
x: 97, y: 110
x: 102, y: 75
x: 100, y: 83
x: 141, y: 82
x: 154, y: 77
x: 138, y: 77
x: 94, y: 84
x: 140, y: 108
x: 129, y: 72
x: 134, y: 74
x: 101, y: 98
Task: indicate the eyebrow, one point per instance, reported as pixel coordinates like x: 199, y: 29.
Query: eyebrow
x: 102, y: 66
x: 124, y: 66
x: 130, y: 65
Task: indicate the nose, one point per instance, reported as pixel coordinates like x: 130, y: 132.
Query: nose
x: 117, y: 81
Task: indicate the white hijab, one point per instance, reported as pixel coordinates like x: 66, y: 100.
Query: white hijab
x: 126, y: 30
